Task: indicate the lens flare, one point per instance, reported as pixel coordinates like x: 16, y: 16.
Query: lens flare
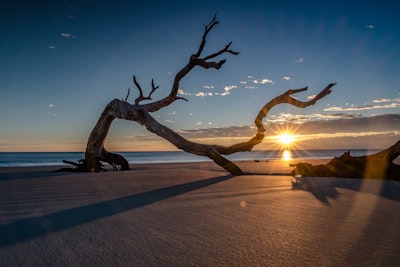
x: 286, y: 139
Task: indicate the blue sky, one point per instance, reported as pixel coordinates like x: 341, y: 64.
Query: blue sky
x: 61, y: 62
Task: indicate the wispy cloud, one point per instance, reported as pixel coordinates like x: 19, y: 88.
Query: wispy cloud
x: 370, y: 26
x: 201, y: 94
x: 229, y: 87
x: 262, y: 81
x: 68, y: 35
x: 365, y: 107
x: 52, y: 47
x: 181, y: 92
x: 287, y: 78
x: 382, y: 100
x: 300, y: 60
x: 226, y: 91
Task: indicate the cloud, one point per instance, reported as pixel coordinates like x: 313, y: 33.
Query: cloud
x: 370, y: 26
x: 341, y: 131
x: 341, y: 125
x: 208, y: 86
x: 243, y: 82
x: 365, y: 107
x: 68, y: 35
x: 300, y: 60
x: 229, y: 87
x: 226, y: 91
x: 298, y: 118
x: 201, y: 94
x: 51, y: 106
x: 181, y: 92
x: 287, y: 78
x: 52, y: 47
x: 382, y: 103
x: 262, y: 81
x: 383, y: 100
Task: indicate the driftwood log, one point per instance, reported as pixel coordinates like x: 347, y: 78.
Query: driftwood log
x: 141, y: 113
x: 376, y: 166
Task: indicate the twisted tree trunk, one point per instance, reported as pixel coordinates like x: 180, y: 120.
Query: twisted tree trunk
x: 95, y: 151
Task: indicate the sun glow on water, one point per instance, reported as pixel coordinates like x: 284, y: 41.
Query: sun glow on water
x: 287, y: 155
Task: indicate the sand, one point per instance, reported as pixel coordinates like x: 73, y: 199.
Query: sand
x: 195, y: 214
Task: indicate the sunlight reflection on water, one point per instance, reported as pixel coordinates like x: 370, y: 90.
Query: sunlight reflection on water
x: 287, y: 155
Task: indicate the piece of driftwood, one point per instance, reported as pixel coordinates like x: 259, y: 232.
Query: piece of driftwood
x: 141, y: 113
x: 376, y: 166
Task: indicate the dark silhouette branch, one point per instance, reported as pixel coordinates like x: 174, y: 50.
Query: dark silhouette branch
x: 376, y: 166
x: 194, y: 61
x: 141, y: 97
x: 127, y: 95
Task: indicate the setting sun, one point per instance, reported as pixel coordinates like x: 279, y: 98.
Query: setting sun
x: 286, y: 139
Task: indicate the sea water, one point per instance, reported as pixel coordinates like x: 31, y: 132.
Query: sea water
x: 19, y: 159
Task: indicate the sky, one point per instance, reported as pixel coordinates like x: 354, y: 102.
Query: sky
x: 61, y: 62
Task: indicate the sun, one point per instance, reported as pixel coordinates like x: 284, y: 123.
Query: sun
x: 286, y: 139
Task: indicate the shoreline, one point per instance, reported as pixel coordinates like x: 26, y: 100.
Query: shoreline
x: 262, y: 167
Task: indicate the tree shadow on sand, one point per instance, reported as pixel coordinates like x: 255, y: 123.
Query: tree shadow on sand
x: 27, y: 229
x: 324, y: 188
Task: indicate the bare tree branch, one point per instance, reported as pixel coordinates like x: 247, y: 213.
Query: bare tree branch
x: 141, y: 97
x: 225, y: 50
x: 207, y: 29
x: 96, y: 152
x: 127, y: 95
x: 194, y: 61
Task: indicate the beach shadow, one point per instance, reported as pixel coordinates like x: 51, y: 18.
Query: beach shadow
x: 27, y: 229
x: 324, y: 188
x: 10, y: 175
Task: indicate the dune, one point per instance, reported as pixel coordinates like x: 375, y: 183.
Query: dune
x: 195, y: 214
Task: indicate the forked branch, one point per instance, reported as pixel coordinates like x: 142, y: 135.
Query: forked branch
x: 141, y: 97
x: 207, y: 29
x: 194, y: 60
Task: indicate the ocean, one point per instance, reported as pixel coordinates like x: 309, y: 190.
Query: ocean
x: 20, y: 159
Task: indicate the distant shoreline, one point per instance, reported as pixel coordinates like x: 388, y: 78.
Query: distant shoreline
x: 251, y: 167
x: 30, y: 159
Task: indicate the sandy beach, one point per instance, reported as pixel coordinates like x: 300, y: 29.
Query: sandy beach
x: 195, y: 214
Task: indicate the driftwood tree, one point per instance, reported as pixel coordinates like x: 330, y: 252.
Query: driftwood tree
x: 376, y: 166
x: 141, y: 113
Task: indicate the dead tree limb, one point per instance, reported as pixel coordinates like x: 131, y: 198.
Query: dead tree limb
x: 376, y: 166
x: 140, y: 113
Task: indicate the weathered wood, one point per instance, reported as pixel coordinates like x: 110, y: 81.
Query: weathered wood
x: 95, y: 151
x: 376, y: 166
